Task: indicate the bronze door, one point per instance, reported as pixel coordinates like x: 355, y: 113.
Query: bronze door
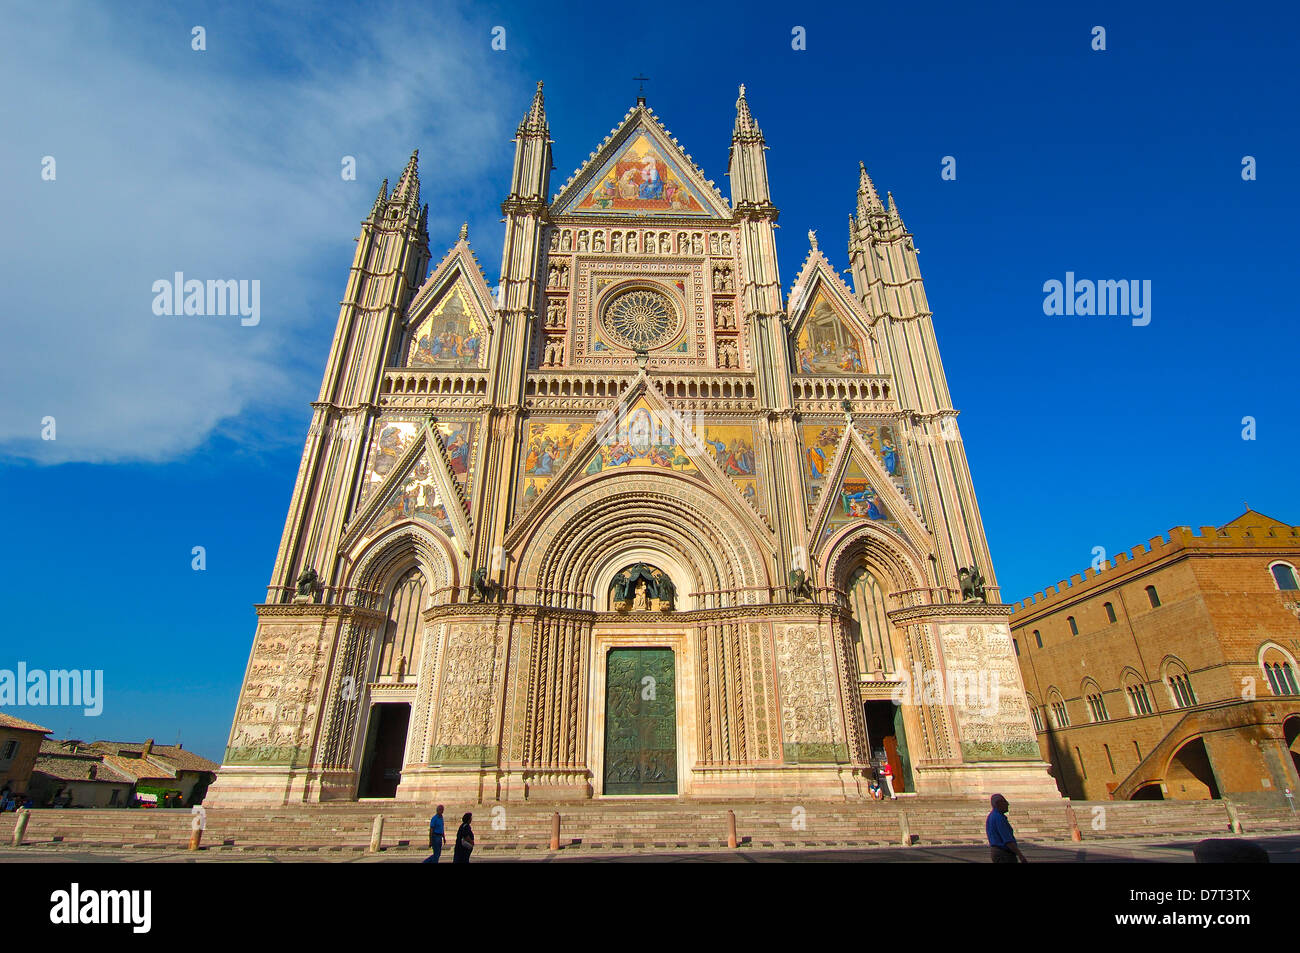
x: 640, y: 722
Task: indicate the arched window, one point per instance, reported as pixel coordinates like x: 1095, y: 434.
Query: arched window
x: 399, y: 653
x: 1038, y: 638
x: 1074, y: 626
x: 1035, y: 711
x: 1060, y: 715
x: 867, y: 602
x: 1181, y: 688
x: 1110, y: 611
x: 1153, y: 597
x: 1015, y: 644
x: 1280, y: 670
x: 1135, y: 692
x: 1092, y: 694
x: 1180, y: 684
x: 1284, y: 576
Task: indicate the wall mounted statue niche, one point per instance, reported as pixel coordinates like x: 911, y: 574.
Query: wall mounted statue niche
x: 642, y: 588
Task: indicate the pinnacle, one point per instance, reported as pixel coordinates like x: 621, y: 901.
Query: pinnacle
x: 381, y: 198
x: 408, y: 186
x: 746, y: 127
x: 868, y: 198
x: 535, y: 121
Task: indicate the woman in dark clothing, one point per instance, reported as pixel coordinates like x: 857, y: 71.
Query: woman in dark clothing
x: 464, y: 841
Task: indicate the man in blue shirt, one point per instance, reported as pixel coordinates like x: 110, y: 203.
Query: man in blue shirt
x: 1002, y: 840
x: 437, y: 834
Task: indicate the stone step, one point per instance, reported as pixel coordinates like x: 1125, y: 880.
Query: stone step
x: 348, y: 825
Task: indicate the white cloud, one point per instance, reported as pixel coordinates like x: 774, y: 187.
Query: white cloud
x: 219, y: 164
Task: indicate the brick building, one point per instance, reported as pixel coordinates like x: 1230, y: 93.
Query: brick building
x: 1171, y: 674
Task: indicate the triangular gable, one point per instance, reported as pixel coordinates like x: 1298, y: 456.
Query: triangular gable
x: 829, y: 332
x: 420, y: 486
x: 451, y: 316
x: 639, y: 170
x: 882, y: 440
x: 1255, y: 520
x: 392, y: 438
x: 640, y: 431
x: 857, y: 488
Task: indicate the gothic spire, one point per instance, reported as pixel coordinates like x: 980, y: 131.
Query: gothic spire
x: 407, y: 189
x: 894, y: 217
x: 380, y: 199
x: 868, y: 198
x: 535, y: 121
x: 746, y: 128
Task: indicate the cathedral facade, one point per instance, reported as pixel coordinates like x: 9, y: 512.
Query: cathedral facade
x: 636, y: 522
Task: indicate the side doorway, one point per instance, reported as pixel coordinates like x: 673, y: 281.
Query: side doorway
x: 381, y: 767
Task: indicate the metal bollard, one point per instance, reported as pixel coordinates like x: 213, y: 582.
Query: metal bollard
x: 376, y: 833
x: 731, y: 829
x: 20, y: 827
x: 555, y: 831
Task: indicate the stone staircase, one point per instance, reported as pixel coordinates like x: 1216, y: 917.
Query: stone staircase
x: 636, y: 825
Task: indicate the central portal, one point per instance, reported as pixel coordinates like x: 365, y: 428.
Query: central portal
x: 640, y: 722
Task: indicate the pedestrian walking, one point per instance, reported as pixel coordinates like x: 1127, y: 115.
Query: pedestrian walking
x: 437, y: 834
x: 888, y: 773
x: 464, y: 841
x: 1003, y: 848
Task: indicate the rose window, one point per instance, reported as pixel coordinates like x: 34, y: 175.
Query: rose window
x: 641, y: 319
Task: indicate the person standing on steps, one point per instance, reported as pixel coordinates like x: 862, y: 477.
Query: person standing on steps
x: 464, y: 841
x: 437, y: 834
x: 1003, y: 848
x: 888, y: 774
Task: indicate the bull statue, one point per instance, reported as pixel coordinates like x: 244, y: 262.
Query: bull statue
x: 480, y: 585
x: 972, y: 584
x: 307, y: 583
x: 799, y: 586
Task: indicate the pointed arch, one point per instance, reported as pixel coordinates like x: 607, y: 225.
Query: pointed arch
x: 572, y: 549
x: 375, y: 566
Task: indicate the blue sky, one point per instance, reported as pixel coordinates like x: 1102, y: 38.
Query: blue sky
x: 179, y: 432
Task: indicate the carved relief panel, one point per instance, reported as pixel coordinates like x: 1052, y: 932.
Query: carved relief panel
x: 279, y: 704
x: 982, y: 684
x: 810, y: 714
